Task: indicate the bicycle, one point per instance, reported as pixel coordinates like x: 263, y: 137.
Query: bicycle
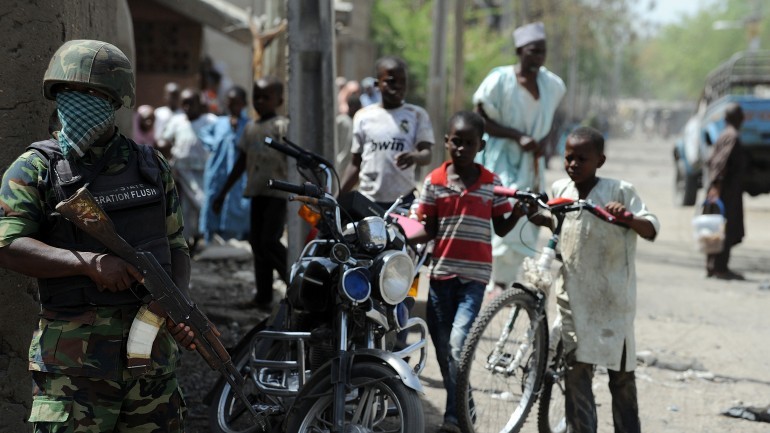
x: 510, y: 355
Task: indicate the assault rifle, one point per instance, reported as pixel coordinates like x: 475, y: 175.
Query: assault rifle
x: 82, y: 210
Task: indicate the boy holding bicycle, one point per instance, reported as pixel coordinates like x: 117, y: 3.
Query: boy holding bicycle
x: 596, y: 290
x: 457, y: 205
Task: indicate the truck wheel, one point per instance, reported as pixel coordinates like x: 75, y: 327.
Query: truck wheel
x: 685, y: 186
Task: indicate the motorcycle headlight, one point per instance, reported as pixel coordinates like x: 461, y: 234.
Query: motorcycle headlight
x: 401, y: 315
x: 355, y: 284
x: 393, y: 272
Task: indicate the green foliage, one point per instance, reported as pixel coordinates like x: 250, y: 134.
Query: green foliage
x: 484, y: 50
x: 587, y: 31
x: 403, y: 28
x: 676, y: 61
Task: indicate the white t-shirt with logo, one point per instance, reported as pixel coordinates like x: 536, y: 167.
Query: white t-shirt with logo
x: 378, y: 136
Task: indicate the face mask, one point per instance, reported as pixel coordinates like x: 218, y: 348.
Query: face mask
x: 84, y: 118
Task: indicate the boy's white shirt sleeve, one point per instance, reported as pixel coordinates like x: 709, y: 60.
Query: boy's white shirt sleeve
x: 636, y: 206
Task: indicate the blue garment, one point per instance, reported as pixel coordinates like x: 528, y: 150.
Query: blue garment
x: 220, y: 140
x: 452, y: 307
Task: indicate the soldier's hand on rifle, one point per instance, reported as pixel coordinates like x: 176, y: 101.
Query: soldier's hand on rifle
x: 112, y: 273
x: 184, y: 336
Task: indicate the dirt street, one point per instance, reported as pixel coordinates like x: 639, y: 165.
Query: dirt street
x: 700, y: 340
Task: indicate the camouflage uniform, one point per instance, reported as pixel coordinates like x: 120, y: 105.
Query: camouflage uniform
x: 78, y: 357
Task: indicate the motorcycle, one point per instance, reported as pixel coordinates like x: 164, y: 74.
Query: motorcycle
x: 327, y: 359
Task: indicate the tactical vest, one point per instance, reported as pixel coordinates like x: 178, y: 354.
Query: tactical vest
x: 134, y: 198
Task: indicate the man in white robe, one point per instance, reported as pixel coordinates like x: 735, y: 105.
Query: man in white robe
x: 518, y: 103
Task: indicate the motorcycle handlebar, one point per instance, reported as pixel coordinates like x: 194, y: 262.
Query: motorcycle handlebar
x: 307, y: 189
x: 314, y: 201
x: 302, y: 158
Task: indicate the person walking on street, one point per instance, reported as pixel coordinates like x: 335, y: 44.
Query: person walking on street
x: 171, y: 97
x: 268, y: 207
x: 144, y: 126
x: 518, y: 103
x: 596, y: 288
x: 221, y: 140
x: 182, y: 145
x: 457, y: 206
x: 370, y: 93
x: 726, y: 164
x: 389, y: 139
x: 89, y: 298
x: 344, y: 125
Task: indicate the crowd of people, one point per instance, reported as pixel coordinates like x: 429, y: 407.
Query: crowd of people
x: 207, y: 179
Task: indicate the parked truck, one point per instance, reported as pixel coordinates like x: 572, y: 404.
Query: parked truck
x: 743, y: 79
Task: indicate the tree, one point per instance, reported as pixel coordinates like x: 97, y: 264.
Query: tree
x: 676, y: 61
x: 403, y: 27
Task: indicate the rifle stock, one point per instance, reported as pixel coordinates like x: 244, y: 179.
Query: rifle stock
x: 82, y: 210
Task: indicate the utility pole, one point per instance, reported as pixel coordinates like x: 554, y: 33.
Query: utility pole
x: 311, y: 93
x: 572, y: 69
x: 458, y: 88
x: 436, y: 101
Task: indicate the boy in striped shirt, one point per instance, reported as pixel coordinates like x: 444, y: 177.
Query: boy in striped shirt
x: 457, y: 205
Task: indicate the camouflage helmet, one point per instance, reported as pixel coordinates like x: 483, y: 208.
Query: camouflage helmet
x: 95, y: 64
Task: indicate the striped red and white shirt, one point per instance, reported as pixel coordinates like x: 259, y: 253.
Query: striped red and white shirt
x: 463, y: 242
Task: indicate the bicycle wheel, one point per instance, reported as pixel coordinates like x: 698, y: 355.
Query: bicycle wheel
x: 502, y: 364
x: 551, y: 417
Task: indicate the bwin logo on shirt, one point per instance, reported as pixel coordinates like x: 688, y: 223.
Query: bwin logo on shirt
x: 394, y: 145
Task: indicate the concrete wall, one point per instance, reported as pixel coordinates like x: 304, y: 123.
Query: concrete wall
x: 32, y: 31
x: 355, y: 52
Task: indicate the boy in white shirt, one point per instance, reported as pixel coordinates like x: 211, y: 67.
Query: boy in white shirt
x: 596, y: 292
x: 389, y: 139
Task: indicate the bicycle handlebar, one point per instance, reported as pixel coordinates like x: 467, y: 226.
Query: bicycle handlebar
x: 563, y: 205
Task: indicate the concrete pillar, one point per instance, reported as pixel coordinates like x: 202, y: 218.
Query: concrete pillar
x: 31, y: 31
x: 311, y: 92
x: 436, y: 101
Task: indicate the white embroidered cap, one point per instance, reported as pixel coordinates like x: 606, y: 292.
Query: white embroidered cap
x: 529, y: 33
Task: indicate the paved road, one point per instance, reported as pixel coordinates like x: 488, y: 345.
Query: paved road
x: 708, y: 337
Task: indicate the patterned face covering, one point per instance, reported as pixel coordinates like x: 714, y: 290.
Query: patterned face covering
x: 84, y: 118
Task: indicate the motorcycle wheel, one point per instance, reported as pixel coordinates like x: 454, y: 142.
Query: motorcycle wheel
x: 551, y: 417
x: 490, y: 398
x: 377, y: 402
x: 226, y: 413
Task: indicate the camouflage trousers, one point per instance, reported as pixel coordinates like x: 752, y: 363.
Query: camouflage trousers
x: 67, y: 404
x: 581, y: 406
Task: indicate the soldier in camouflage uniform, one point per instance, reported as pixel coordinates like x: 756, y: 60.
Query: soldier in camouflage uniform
x: 89, y: 297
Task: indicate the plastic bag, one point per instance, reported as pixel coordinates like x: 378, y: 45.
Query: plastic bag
x: 709, y: 228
